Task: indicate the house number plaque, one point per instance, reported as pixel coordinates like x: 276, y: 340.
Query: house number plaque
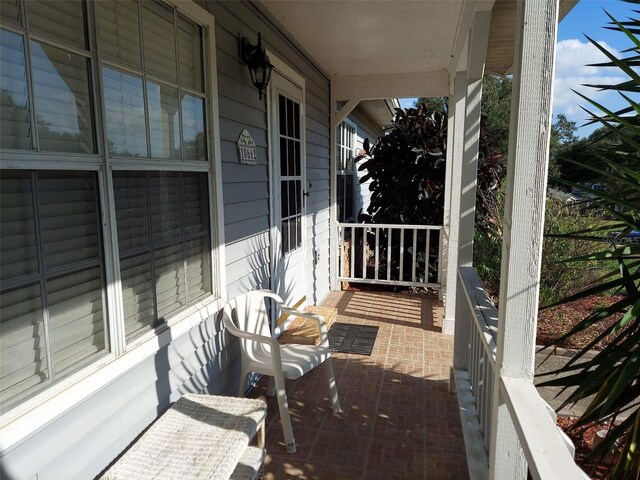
x: 247, y: 149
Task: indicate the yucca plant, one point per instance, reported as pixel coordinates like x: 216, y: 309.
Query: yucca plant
x: 613, y: 375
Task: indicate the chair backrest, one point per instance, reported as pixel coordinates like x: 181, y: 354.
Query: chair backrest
x: 248, y: 313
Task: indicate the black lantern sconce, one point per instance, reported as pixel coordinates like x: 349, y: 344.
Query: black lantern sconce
x: 258, y: 62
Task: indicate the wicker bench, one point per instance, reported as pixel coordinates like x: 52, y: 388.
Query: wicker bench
x: 199, y: 437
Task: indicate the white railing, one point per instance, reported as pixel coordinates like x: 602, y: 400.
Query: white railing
x: 548, y: 453
x: 403, y: 255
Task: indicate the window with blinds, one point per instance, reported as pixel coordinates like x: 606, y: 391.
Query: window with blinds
x: 52, y: 318
x: 345, y: 136
x: 154, y: 108
x: 54, y: 263
x: 163, y: 235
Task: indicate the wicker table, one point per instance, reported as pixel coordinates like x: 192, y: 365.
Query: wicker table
x: 199, y: 437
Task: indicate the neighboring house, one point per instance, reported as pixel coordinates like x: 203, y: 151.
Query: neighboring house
x: 127, y: 217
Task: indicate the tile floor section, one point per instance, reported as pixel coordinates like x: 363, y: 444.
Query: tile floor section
x: 399, y: 420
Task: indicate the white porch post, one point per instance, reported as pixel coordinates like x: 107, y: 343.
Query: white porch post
x: 464, y: 166
x: 337, y: 116
x: 524, y: 218
x: 454, y: 157
x: 468, y: 173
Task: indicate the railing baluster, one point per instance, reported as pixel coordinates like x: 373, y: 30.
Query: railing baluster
x: 414, y: 255
x: 364, y: 252
x: 352, y: 272
x: 426, y: 256
x: 401, y: 277
x: 389, y: 256
x: 377, y: 252
x: 341, y: 250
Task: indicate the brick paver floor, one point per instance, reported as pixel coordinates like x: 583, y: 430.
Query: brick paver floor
x: 399, y: 420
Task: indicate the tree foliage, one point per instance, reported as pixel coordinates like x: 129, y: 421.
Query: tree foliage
x: 407, y: 170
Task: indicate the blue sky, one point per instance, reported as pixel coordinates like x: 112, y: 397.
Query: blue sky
x: 574, y: 52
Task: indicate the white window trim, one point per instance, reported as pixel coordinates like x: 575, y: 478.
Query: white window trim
x: 40, y: 409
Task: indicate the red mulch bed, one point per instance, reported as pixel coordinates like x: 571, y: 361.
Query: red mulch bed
x: 583, y: 438
x: 555, y: 321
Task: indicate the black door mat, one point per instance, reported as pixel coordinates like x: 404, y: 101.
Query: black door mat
x: 347, y: 338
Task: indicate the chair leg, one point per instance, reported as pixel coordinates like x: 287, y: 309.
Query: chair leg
x: 333, y: 388
x: 271, y: 387
x: 285, y: 418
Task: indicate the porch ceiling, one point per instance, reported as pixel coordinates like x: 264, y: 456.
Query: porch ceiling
x: 371, y: 37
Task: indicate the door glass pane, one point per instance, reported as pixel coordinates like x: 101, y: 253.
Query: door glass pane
x: 284, y: 170
x: 62, y: 20
x: 284, y: 199
x: 164, y: 121
x: 291, y: 159
x: 293, y: 241
x: 62, y: 100
x: 190, y: 54
x: 124, y: 111
x: 296, y: 120
x: 159, y: 41
x: 15, y: 131
x: 23, y: 355
x: 284, y: 234
x: 10, y: 12
x: 18, y: 252
x: 293, y: 210
x: 119, y: 31
x: 290, y: 119
x: 296, y: 158
x: 193, y: 141
x: 137, y: 295
x: 76, y: 321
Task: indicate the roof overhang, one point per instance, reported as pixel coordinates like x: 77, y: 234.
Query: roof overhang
x: 369, y: 43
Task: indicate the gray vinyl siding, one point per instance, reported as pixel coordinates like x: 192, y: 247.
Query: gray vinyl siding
x: 365, y: 129
x: 86, y: 438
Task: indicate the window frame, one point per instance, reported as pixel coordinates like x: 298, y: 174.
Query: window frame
x: 44, y: 406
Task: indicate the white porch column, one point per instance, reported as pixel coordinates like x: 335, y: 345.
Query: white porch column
x: 454, y: 157
x: 524, y: 218
x: 337, y: 116
x: 466, y: 139
x: 468, y: 176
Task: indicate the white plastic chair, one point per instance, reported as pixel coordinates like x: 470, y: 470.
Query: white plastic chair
x: 246, y: 317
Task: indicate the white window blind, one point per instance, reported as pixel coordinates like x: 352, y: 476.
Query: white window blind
x: 51, y: 280
x: 158, y: 29
x: 163, y: 235
x: 119, y: 31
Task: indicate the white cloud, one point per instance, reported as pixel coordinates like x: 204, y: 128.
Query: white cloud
x: 572, y: 73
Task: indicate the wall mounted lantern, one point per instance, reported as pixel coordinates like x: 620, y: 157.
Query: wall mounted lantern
x: 258, y: 62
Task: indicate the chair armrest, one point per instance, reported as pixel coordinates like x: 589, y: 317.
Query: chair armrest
x: 236, y: 332
x: 322, y: 323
